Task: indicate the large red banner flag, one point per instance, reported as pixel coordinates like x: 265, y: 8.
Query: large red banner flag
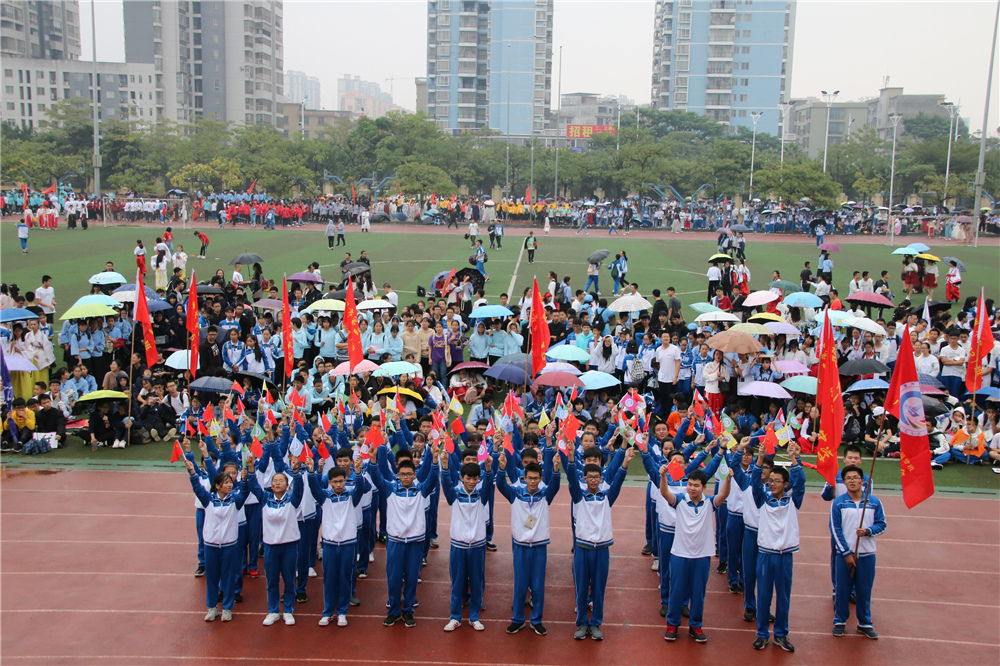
x: 905, y: 403
x: 192, y: 326
x: 831, y: 404
x: 980, y: 344
x: 142, y: 317
x: 539, y: 331
x: 286, y: 329
x: 355, y: 354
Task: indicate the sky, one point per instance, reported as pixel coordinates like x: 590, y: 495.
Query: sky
x: 926, y: 47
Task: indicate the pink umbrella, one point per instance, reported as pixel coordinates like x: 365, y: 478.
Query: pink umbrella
x: 870, y: 297
x: 470, y: 365
x: 268, y: 304
x: 559, y: 378
x: 344, y: 369
x: 830, y: 247
x: 305, y: 277
x: 781, y: 328
x: 17, y: 363
x: 764, y: 390
x: 759, y: 298
x: 791, y: 367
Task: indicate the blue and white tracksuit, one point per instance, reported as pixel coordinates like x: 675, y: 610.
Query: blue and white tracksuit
x: 845, y: 518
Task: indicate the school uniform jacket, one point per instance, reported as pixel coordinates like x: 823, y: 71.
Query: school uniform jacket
x: 778, y: 519
x: 339, y: 526
x: 469, y: 512
x: 845, y: 518
x: 221, y: 527
x: 529, y: 514
x: 592, y: 511
x: 279, y: 515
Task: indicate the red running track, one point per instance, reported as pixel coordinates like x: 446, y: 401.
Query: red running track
x: 97, y: 569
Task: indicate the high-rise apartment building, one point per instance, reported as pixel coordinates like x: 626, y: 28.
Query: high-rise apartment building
x: 212, y: 58
x: 300, y: 87
x: 724, y: 59
x: 44, y: 30
x: 479, y: 50
x: 363, y: 98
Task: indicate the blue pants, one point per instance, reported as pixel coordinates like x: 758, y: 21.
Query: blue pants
x: 774, y: 578
x: 750, y: 551
x: 688, y: 580
x: 833, y: 567
x: 255, y: 533
x: 481, y: 268
x: 307, y: 535
x: 665, y: 542
x: 721, y: 516
x: 684, y: 387
x: 862, y: 581
x: 440, y: 368
x: 617, y: 286
x: 382, y: 508
x: 590, y: 575
x: 467, y: 567
x: 956, y: 453
x: 338, y: 578
x: 489, y: 524
x: 592, y: 280
x: 199, y: 523
x: 529, y: 574
x: 241, y: 544
x: 279, y: 560
x: 734, y: 536
x: 651, y: 521
x: 366, y: 537
x: 402, y: 567
x: 955, y: 385
x: 222, y: 566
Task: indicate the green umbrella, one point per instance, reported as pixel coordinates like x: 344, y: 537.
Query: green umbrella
x: 800, y: 384
x: 394, y: 368
x: 702, y: 308
x: 568, y: 353
x: 87, y: 310
x: 785, y: 285
x: 100, y: 299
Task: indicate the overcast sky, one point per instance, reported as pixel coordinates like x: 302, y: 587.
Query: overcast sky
x: 926, y: 47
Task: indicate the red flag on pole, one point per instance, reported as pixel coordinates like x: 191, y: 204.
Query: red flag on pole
x: 177, y: 453
x: 914, y: 449
x: 980, y: 344
x: 527, y: 196
x: 322, y: 450
x: 770, y: 441
x: 286, y: 329
x: 252, y: 185
x: 355, y: 354
x: 192, y: 326
x: 24, y: 190
x: 49, y: 190
x: 540, y: 335
x: 830, y: 400
x: 256, y: 450
x: 353, y: 195
x: 142, y: 316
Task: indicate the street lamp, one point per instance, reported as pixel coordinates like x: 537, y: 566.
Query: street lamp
x: 952, y: 111
x: 555, y: 143
x: 892, y: 173
x: 753, y: 146
x: 507, y: 186
x: 980, y: 173
x: 828, y: 98
x: 96, y: 160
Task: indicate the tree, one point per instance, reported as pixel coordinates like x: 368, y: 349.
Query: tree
x: 867, y: 188
x: 925, y: 128
x: 934, y: 185
x: 791, y: 182
x: 416, y: 178
x: 219, y: 174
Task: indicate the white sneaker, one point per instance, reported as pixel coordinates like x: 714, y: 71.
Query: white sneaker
x: 371, y: 557
x: 656, y: 565
x: 477, y: 625
x: 341, y: 620
x: 452, y: 625
x: 227, y: 615
x: 323, y: 621
x: 270, y: 619
x: 212, y: 614
x: 289, y: 619
x: 312, y: 572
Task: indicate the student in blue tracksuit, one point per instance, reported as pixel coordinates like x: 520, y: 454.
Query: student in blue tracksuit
x: 852, y: 534
x: 339, y: 507
x: 742, y: 464
x: 469, y: 501
x: 279, y: 509
x: 777, y: 541
x: 222, y: 503
x: 199, y: 510
x: 852, y: 457
x: 406, y: 527
x: 593, y: 539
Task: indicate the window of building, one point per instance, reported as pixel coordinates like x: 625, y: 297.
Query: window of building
x: 744, y: 82
x: 684, y: 33
x: 682, y: 64
x: 9, y: 90
x: 8, y: 73
x: 744, y: 66
x: 681, y: 82
x: 685, y: 17
x: 681, y: 97
x: 746, y: 34
x: 443, y: 81
x: 683, y: 49
x: 742, y: 113
x: 743, y: 98
x: 745, y: 50
x: 10, y: 106
x: 52, y: 94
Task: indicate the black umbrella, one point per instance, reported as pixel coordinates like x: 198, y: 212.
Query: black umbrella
x: 933, y: 407
x: 254, y: 377
x: 739, y: 227
x: 246, y: 259
x: 598, y: 256
x: 932, y: 306
x: 380, y: 217
x: 208, y: 290
x: 863, y: 366
x: 341, y: 294
x: 476, y: 278
x: 212, y: 385
x: 401, y: 217
x: 815, y: 223
x: 179, y: 193
x: 930, y: 380
x: 356, y: 268
x: 958, y: 263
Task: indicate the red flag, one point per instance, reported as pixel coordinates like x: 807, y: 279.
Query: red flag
x: 353, y: 196
x: 563, y: 446
x: 770, y: 441
x: 699, y: 404
x: 914, y: 449
x: 306, y: 451
x: 24, y: 190
x: 539, y: 330
x: 237, y: 388
x: 508, y: 445
x: 980, y: 344
x: 374, y: 437
x: 297, y: 399
x: 457, y: 426
x: 449, y: 444
x: 322, y: 450
x: 252, y: 185
x: 490, y: 430
x: 527, y: 196
x: 355, y: 354
x: 286, y: 329
x: 142, y: 316
x: 256, y: 450
x: 341, y: 407
x: 830, y: 400
x: 324, y: 421
x: 49, y: 190
x: 270, y: 417
x: 297, y: 416
x: 209, y: 414
x: 177, y: 453
x: 192, y: 326
x: 572, y: 396
x: 570, y: 426
x: 512, y: 406
x: 675, y: 470
x: 228, y: 414
x: 202, y: 430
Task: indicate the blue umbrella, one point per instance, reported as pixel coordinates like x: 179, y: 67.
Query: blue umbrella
x: 16, y: 314
x: 800, y: 384
x: 868, y: 385
x: 484, y: 311
x: 212, y: 385
x: 401, y: 217
x: 507, y: 373
x: 929, y: 380
x: 156, y: 306
x: 101, y: 299
x: 803, y: 299
x: 8, y: 388
x: 150, y: 293
x: 986, y: 391
x: 592, y: 380
x: 108, y: 277
x: 919, y: 247
x: 904, y: 251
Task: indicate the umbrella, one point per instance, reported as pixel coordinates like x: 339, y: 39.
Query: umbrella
x: 759, y: 298
x: 393, y: 390
x: 734, y: 342
x: 598, y: 256
x: 765, y: 390
x: 375, y: 304
x: 958, y: 263
x: 150, y: 293
x: 815, y: 223
x: 558, y: 379
x: 16, y: 314
x: 212, y: 385
x: 703, y: 308
x: 326, y: 305
x: 304, y: 276
x: 356, y: 268
x: 254, y: 377
x: 560, y: 366
x: 803, y: 299
x: 470, y: 365
x: 751, y: 329
x: 84, y: 311
x: 568, y: 353
x: 932, y: 390
x: 489, y: 202
x: 963, y: 219
x: 180, y: 360
x: 400, y: 217
x: 781, y: 328
x: 837, y: 317
x: 394, y: 368
x: 908, y: 210
x: 865, y: 324
x: 869, y: 297
x: 593, y: 380
x: 100, y: 299
x: 341, y: 294
x: 107, y: 277
x: 208, y: 290
x: 716, y: 258
x: 246, y: 259
x: 791, y: 367
x: 344, y: 369
x: 986, y: 391
x: 932, y: 407
x: 905, y: 251
x: 507, y: 372
x: 740, y: 227
x: 268, y: 304
x: 919, y: 247
x: 514, y: 359
x: 800, y: 384
x: 18, y: 363
x: 830, y: 247
x: 763, y: 317
x: 784, y: 285
x: 928, y: 257
x: 727, y: 231
x: 380, y: 217
x: 476, y: 278
x: 930, y: 380
x: 933, y: 306
x: 438, y: 281
x: 863, y: 366
x: 157, y: 306
x: 103, y: 395
x: 629, y: 303
x: 716, y: 316
x: 867, y: 385
x: 484, y: 311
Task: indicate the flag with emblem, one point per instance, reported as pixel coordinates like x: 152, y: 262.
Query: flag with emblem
x: 142, y: 317
x: 914, y: 450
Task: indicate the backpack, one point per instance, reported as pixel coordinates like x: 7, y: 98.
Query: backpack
x: 615, y: 272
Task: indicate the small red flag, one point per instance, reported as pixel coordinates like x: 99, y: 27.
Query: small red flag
x: 256, y: 450
x: 49, y: 190
x: 490, y: 430
x: 202, y: 430
x: 228, y: 414
x: 324, y: 420
x: 239, y: 405
x: 375, y: 437
x: 237, y: 388
x: 306, y: 451
x: 177, y: 453
x: 209, y: 414
x: 563, y: 446
x: 271, y: 418
x: 457, y: 426
x: 297, y: 416
x: 699, y: 404
x: 770, y: 441
x: 322, y: 450
x: 512, y: 406
x: 570, y: 426
x: 508, y: 445
x: 449, y: 444
x: 675, y: 470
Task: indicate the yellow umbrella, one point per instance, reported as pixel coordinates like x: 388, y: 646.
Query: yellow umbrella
x: 102, y: 395
x: 751, y: 329
x: 87, y: 310
x: 928, y: 257
x: 765, y: 316
x: 326, y: 305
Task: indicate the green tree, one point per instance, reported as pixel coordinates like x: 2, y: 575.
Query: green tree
x: 791, y: 182
x: 925, y: 128
x: 218, y: 175
x: 415, y: 178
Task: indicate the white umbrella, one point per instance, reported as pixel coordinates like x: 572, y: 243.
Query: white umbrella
x: 759, y: 298
x: 864, y: 324
x: 124, y: 296
x: 107, y: 277
x: 374, y: 304
x: 630, y: 303
x: 715, y: 316
x: 179, y: 360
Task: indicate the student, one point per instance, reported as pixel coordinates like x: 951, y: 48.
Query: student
x: 852, y: 458
x: 592, y: 539
x: 855, y: 572
x: 777, y: 541
x: 469, y: 500
x: 529, y: 526
x: 692, y: 550
x: 199, y: 510
x: 406, y: 527
x: 742, y: 464
x: 338, y: 507
x: 222, y: 503
x: 279, y: 510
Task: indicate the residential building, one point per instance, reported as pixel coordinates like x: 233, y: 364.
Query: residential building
x: 212, y: 58
x: 32, y: 85
x: 892, y: 101
x: 724, y: 59
x: 310, y: 122
x: 44, y: 29
x: 807, y: 123
x: 421, y: 84
x: 300, y: 87
x: 363, y: 98
x: 592, y: 109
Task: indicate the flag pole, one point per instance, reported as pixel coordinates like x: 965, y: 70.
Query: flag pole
x: 868, y: 488
x: 128, y: 431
